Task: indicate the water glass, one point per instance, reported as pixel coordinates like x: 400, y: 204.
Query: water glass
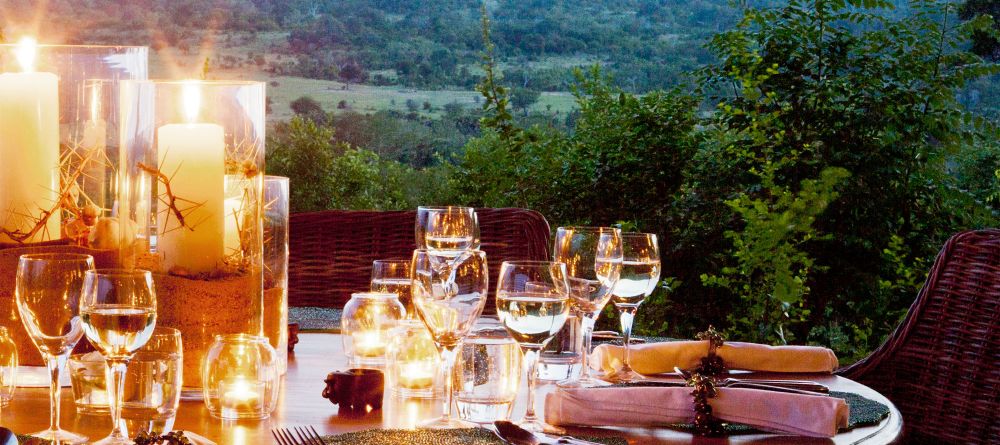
x: 90, y: 388
x: 153, y: 384
x: 561, y: 359
x: 393, y: 276
x: 487, y: 373
x: 8, y: 367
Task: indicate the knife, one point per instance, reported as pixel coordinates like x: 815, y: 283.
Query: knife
x: 516, y: 435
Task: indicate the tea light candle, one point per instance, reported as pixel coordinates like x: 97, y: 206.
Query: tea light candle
x: 369, y: 343
x: 240, y: 396
x: 417, y: 374
x: 29, y: 148
x: 193, y: 155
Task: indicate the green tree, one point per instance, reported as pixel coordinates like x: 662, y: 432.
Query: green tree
x: 308, y: 108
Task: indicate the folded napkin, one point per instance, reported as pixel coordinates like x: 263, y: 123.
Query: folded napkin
x: 656, y: 358
x: 804, y: 415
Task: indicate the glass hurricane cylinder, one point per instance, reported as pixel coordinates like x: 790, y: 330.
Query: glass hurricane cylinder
x: 60, y: 117
x: 276, y: 266
x: 192, y: 184
x: 241, y: 378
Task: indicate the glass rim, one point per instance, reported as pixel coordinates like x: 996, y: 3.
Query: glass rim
x: 241, y: 337
x: 445, y: 208
x: 119, y: 272
x: 392, y: 261
x: 638, y: 235
x: 375, y: 295
x: 588, y: 228
x: 532, y: 263
x: 56, y: 257
x: 64, y: 45
x: 207, y: 83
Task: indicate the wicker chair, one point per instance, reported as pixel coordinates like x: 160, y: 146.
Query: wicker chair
x: 941, y: 366
x: 331, y: 252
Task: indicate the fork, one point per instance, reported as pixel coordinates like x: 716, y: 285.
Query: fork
x: 297, y: 436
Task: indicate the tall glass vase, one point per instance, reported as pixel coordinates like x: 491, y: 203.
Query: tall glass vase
x: 192, y: 182
x: 276, y: 266
x: 59, y: 122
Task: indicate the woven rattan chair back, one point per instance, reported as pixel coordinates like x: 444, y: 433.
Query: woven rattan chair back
x: 941, y: 367
x: 331, y: 252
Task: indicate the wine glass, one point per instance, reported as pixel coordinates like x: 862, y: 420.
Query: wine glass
x: 447, y: 230
x: 449, y: 300
x: 47, y: 290
x: 119, y: 314
x: 640, y: 273
x: 393, y: 276
x: 533, y: 305
x: 593, y: 258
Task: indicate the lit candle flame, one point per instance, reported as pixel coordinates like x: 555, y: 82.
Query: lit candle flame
x: 26, y: 51
x: 192, y: 100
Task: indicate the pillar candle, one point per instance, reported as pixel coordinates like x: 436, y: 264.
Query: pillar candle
x: 29, y: 149
x: 193, y: 156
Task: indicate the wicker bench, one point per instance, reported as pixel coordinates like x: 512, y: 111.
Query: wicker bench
x: 331, y: 252
x: 941, y: 367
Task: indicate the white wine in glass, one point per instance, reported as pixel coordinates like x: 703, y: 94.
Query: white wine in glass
x: 448, y: 301
x: 48, y: 289
x: 447, y: 230
x: 119, y: 315
x: 639, y: 275
x: 533, y: 305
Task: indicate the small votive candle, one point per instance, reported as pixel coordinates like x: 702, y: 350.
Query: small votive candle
x: 240, y: 396
x: 365, y: 325
x: 413, y: 360
x: 241, y: 377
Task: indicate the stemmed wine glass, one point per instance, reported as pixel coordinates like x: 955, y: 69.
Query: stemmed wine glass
x: 593, y: 258
x: 119, y: 314
x: 449, y: 300
x: 47, y: 290
x: 447, y: 230
x: 640, y: 273
x: 533, y: 305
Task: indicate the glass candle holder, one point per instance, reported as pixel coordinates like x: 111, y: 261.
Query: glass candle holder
x: 412, y: 360
x: 276, y: 266
x: 241, y: 378
x: 60, y: 118
x: 365, y: 324
x: 8, y: 367
x: 191, y: 179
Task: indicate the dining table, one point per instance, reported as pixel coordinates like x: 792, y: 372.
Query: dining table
x: 301, y: 404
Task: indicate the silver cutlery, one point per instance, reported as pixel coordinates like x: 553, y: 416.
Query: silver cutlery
x: 515, y: 435
x: 7, y: 437
x: 805, y: 387
x: 297, y: 436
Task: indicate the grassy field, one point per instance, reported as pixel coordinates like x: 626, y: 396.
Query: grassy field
x: 230, y: 58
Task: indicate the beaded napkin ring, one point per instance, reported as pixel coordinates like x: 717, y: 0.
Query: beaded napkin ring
x: 705, y: 424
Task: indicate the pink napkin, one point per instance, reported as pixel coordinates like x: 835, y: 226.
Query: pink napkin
x: 804, y: 415
x: 656, y: 358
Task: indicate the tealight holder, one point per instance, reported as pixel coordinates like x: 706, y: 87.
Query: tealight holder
x: 60, y: 118
x: 241, y: 379
x: 276, y: 266
x: 365, y: 324
x: 192, y: 181
x: 8, y: 367
x: 412, y: 361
